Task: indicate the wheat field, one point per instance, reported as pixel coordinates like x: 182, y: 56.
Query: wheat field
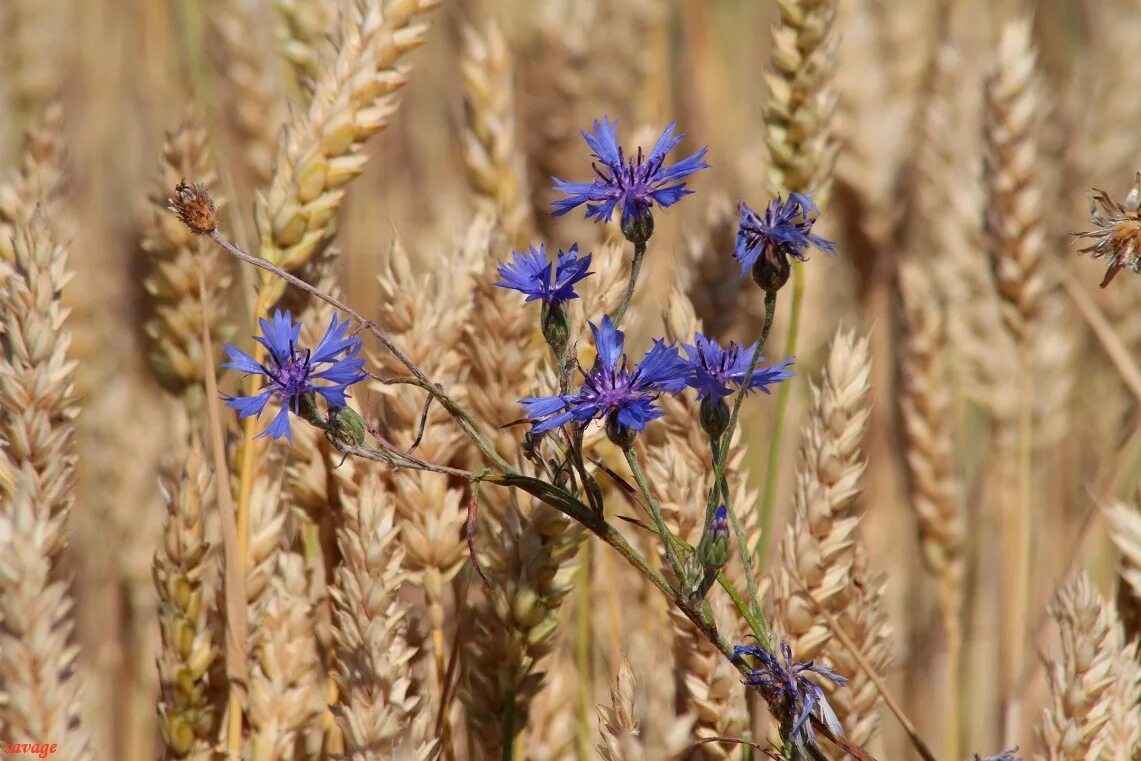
x: 294, y: 467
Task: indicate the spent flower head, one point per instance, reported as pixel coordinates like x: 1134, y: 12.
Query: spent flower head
x: 1118, y: 237
x: 713, y: 370
x: 765, y: 241
x: 1006, y: 755
x: 636, y: 182
x: 292, y: 374
x: 624, y: 397
x: 530, y: 273
x: 792, y: 696
x: 194, y: 206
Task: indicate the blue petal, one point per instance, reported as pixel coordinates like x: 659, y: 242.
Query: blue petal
x: 661, y: 369
x: 279, y: 334
x: 334, y: 342
x: 666, y: 143
x: 684, y: 168
x: 334, y: 395
x: 552, y: 423
x: 635, y: 413
x: 239, y: 360
x: 540, y: 406
x: 608, y: 340
x: 604, y: 141
x: 249, y: 405
x: 666, y: 197
x: 279, y: 426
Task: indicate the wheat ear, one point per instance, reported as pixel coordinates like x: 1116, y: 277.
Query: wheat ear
x: 38, y: 687
x: 302, y: 30
x: 39, y: 183
x: 618, y: 722
x: 286, y: 695
x: 1095, y: 686
x: 321, y: 150
x: 822, y: 558
x: 33, y: 74
x: 801, y: 102
x: 492, y: 154
x: 928, y: 428
x: 188, y: 280
x: 1015, y: 232
x: 1125, y: 530
x: 242, y: 43
x: 373, y: 657
x: 192, y: 689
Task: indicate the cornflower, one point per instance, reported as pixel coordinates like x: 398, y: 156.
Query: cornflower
x: 290, y: 373
x: 637, y: 183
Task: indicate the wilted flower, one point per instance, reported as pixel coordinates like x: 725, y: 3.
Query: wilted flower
x: 792, y: 696
x: 764, y: 242
x: 637, y: 183
x: 530, y: 274
x: 1119, y: 236
x: 1006, y: 755
x: 194, y: 206
x: 291, y: 373
x: 712, y: 369
x: 624, y: 397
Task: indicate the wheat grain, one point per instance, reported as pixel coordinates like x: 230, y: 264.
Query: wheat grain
x: 1095, y: 685
x: 532, y: 556
x: 492, y: 154
x: 1125, y: 530
x: 321, y: 150
x: 286, y: 692
x: 38, y: 184
x: 241, y: 44
x: 302, y: 30
x: 378, y: 691
x: 192, y: 691
x: 187, y: 281
x: 801, y: 100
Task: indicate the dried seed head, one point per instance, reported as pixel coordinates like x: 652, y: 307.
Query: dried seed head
x: 195, y: 207
x: 1118, y: 237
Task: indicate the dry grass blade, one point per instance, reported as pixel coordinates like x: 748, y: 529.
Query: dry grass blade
x: 1095, y: 685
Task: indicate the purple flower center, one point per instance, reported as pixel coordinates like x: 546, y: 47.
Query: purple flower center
x: 631, y: 177
x: 291, y: 375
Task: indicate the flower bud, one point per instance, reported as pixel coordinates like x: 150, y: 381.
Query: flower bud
x: 346, y: 426
x: 639, y: 228
x: 713, y: 550
x: 772, y: 269
x: 556, y: 326
x: 622, y: 436
x: 714, y: 416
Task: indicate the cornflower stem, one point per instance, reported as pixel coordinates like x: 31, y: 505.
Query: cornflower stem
x: 742, y: 541
x: 635, y: 268
x: 656, y: 512
x: 772, y: 472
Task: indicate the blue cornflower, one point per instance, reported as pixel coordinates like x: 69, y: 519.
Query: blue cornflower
x: 610, y: 390
x: 290, y: 372
x: 637, y: 183
x: 712, y: 369
x: 784, y: 230
x: 792, y: 696
x: 530, y: 274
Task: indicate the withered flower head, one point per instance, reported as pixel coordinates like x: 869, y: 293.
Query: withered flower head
x: 1118, y: 238
x: 194, y: 206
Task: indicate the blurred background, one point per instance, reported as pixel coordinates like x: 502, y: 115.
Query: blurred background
x: 115, y: 76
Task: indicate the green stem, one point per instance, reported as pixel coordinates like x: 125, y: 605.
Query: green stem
x: 656, y: 512
x: 773, y: 471
x: 635, y: 268
x: 509, y: 725
x: 742, y: 544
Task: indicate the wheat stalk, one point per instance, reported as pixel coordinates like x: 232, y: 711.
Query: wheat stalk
x: 192, y: 692
x: 378, y: 695
x: 801, y: 100
x: 1095, y: 685
x: 187, y: 281
x: 492, y: 154
x: 321, y: 149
